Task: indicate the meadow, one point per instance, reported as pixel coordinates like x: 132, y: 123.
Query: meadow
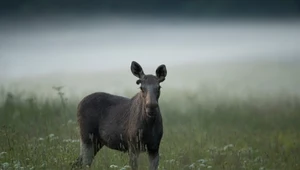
x: 204, y: 128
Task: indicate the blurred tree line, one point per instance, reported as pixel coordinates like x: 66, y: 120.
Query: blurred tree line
x: 173, y: 7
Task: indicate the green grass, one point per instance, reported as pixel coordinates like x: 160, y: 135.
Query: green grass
x: 200, y: 132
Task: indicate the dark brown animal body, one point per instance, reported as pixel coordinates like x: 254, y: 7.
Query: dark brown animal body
x: 132, y: 125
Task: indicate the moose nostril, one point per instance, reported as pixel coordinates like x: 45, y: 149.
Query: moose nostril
x: 151, y: 105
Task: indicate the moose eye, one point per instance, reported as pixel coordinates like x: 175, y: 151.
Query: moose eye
x: 158, y: 89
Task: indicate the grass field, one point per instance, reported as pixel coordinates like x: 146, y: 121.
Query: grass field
x: 203, y: 129
x: 257, y: 133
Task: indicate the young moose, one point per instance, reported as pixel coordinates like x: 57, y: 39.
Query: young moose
x: 132, y: 125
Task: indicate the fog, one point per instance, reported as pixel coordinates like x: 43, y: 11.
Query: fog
x: 56, y: 47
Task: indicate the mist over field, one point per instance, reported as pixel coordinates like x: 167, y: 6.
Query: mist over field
x: 94, y: 54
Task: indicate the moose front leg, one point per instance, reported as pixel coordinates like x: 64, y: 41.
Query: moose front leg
x: 133, y: 160
x: 153, y: 156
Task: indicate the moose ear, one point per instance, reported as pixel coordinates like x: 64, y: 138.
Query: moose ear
x: 161, y: 72
x: 136, y: 69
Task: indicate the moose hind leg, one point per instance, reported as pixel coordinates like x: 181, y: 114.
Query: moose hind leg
x: 88, y: 150
x: 87, y: 153
x: 153, y: 159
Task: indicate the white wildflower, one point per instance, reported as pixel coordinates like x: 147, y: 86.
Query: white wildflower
x: 5, y: 165
x: 71, y: 141
x: 192, y: 166
x: 41, y: 139
x: 227, y: 146
x: 113, y: 166
x: 203, y: 161
x: 209, y: 167
x: 51, y: 135
x: 2, y: 154
x: 43, y: 165
x: 170, y: 161
x: 71, y: 122
x: 202, y: 165
x: 258, y: 159
x: 125, y: 167
x: 17, y: 164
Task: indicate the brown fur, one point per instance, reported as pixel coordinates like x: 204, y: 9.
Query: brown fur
x: 132, y: 125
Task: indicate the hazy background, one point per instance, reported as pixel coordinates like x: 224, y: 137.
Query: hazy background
x: 231, y: 98
x: 230, y: 46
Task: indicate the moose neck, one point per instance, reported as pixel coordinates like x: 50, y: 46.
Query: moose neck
x: 138, y: 121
